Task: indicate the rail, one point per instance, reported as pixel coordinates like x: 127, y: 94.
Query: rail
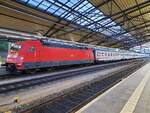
x: 20, y: 83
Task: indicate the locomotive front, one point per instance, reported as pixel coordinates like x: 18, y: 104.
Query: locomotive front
x: 14, y: 59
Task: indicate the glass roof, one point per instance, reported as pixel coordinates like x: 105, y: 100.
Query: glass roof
x: 83, y: 13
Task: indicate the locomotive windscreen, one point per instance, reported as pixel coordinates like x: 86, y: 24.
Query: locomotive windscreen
x: 15, y: 47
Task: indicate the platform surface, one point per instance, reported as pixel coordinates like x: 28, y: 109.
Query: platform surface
x: 131, y: 95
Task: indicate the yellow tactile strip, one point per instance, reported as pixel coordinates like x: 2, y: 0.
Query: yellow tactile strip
x: 133, y: 100
x: 140, y: 89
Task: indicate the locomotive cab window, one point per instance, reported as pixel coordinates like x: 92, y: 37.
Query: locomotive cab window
x: 31, y: 49
x: 15, y: 47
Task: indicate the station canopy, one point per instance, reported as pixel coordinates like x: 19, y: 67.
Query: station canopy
x: 113, y: 23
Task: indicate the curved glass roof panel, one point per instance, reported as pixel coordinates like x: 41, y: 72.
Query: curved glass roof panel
x: 80, y: 12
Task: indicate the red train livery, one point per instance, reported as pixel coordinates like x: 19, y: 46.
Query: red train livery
x: 33, y: 54
x: 47, y: 53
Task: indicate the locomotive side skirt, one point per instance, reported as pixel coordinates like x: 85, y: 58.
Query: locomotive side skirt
x: 31, y: 65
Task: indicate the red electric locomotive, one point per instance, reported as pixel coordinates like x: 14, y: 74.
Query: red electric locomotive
x: 35, y: 54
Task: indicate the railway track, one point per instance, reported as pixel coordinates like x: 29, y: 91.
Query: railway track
x: 6, y: 76
x: 99, y: 84
x: 21, y: 83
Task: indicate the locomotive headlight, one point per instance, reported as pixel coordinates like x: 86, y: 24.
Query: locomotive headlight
x: 21, y: 58
x: 9, y: 56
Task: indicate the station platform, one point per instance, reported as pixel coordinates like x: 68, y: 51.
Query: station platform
x: 131, y: 95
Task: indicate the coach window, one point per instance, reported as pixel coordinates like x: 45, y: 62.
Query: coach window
x: 32, y: 49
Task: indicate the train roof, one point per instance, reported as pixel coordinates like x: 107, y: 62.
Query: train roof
x: 60, y: 43
x: 25, y: 36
